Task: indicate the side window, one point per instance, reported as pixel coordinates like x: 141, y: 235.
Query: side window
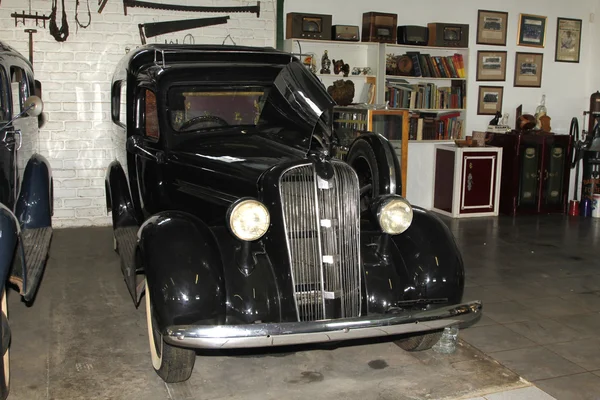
x: 20, y: 88
x: 4, y: 96
x: 150, y: 115
x: 119, y: 103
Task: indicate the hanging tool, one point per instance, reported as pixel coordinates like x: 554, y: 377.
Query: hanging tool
x: 159, y: 28
x: 574, y: 132
x: 176, y: 7
x: 60, y: 34
x: 101, y: 5
x: 24, y: 16
x: 89, y: 21
x: 31, y: 32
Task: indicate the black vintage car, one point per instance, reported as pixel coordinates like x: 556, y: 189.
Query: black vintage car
x: 232, y: 212
x: 25, y: 191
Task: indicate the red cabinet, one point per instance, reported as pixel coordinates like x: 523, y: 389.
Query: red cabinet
x: 467, y: 180
x: 535, y: 173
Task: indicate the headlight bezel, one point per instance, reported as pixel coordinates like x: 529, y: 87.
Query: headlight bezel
x: 235, y: 208
x: 382, y: 205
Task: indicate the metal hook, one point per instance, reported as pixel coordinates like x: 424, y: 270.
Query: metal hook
x: 230, y: 38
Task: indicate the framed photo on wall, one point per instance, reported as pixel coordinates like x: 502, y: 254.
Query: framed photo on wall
x: 491, y: 27
x: 528, y: 69
x: 490, y: 100
x: 491, y: 65
x: 568, y: 40
x: 532, y: 30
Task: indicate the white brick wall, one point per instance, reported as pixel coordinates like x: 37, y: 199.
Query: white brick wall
x: 75, y: 77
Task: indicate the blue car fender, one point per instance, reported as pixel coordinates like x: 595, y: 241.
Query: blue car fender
x: 34, y: 206
x: 184, y: 271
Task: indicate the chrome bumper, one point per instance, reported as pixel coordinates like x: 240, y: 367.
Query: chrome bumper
x: 287, y: 333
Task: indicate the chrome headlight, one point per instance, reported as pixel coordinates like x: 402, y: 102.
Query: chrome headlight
x: 249, y: 219
x: 395, y: 215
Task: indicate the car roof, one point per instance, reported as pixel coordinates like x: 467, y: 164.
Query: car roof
x: 165, y: 55
x: 8, y: 52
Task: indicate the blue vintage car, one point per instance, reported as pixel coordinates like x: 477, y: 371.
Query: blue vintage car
x: 25, y: 191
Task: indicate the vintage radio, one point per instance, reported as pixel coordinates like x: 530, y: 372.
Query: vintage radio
x: 308, y: 26
x: 345, y: 32
x: 379, y: 27
x: 448, y: 35
x: 413, y: 35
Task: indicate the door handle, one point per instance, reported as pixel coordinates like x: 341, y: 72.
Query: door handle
x: 545, y: 174
x: 9, y: 138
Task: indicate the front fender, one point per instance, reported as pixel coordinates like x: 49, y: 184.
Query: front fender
x: 432, y: 258
x: 35, y: 204
x: 118, y: 198
x: 9, y: 237
x: 184, y: 270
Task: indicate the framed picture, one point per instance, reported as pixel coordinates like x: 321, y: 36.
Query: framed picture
x: 568, y: 40
x: 532, y: 30
x: 528, y: 69
x: 490, y: 100
x: 491, y: 27
x: 491, y: 65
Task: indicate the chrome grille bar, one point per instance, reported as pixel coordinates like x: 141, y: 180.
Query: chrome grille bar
x: 321, y: 221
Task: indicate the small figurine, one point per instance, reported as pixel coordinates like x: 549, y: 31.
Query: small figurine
x: 366, y: 71
x: 496, y: 118
x: 325, y: 63
x: 340, y: 66
x: 356, y: 71
x: 545, y: 123
x: 504, y: 120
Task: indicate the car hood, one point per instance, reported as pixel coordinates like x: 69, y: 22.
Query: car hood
x: 231, y: 162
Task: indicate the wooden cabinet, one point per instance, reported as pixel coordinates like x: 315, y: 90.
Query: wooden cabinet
x: 392, y: 124
x: 535, y: 173
x: 467, y: 180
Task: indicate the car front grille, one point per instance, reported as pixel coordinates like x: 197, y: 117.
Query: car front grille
x: 321, y: 219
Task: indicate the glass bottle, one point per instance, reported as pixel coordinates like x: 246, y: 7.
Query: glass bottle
x: 447, y: 343
x: 540, y: 111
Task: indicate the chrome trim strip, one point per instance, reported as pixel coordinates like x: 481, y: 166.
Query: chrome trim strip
x: 390, y: 161
x: 280, y: 334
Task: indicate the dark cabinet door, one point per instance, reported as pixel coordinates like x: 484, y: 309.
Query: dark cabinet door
x: 555, y: 171
x: 530, y: 155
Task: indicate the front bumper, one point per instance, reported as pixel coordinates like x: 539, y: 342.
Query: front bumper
x: 288, y: 333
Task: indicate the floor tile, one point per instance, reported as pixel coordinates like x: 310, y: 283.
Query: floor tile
x: 528, y: 393
x: 510, y: 311
x: 516, y: 289
x: 587, y: 324
x: 554, y: 306
x: 589, y: 300
x: 494, y: 338
x: 535, y: 363
x: 584, y: 386
x: 545, y: 331
x: 585, y: 352
x: 485, y: 294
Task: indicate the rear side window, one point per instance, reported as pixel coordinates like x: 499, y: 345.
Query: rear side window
x: 150, y: 115
x: 119, y: 103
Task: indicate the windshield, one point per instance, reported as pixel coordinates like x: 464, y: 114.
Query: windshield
x: 205, y: 107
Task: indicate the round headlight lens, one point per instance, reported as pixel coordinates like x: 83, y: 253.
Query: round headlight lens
x: 395, y: 216
x: 249, y: 220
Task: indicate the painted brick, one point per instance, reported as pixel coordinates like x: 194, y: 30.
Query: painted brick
x: 90, y: 173
x: 90, y: 192
x: 79, y: 144
x: 76, y: 203
x: 90, y: 212
x: 63, y: 173
x: 74, y: 183
x: 64, y: 213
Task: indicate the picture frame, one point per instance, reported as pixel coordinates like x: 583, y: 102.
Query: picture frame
x: 491, y: 65
x: 492, y: 27
x: 532, y: 30
x: 568, y: 40
x: 528, y: 69
x: 490, y: 100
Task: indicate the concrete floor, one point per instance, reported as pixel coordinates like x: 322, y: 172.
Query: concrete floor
x: 83, y: 338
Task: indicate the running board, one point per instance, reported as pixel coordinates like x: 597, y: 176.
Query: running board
x: 29, y: 266
x: 126, y: 239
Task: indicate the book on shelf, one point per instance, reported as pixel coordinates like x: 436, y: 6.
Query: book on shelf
x: 428, y: 66
x: 399, y: 93
x: 435, y: 126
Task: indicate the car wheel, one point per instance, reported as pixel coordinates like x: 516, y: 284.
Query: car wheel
x: 171, y: 363
x: 419, y: 342
x: 364, y: 161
